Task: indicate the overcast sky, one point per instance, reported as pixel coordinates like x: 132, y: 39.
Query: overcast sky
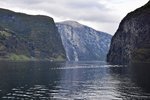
x: 102, y: 15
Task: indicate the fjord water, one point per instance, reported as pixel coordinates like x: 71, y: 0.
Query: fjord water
x: 72, y: 81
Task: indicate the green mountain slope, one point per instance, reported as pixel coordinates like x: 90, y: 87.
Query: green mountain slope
x: 26, y: 37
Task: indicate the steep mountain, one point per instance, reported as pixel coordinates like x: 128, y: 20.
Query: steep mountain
x: 25, y: 36
x: 83, y: 43
x: 131, y: 42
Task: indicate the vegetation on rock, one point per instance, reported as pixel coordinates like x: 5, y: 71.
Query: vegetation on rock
x: 25, y: 37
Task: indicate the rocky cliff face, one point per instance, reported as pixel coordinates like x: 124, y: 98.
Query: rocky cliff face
x: 25, y: 36
x: 83, y: 43
x: 131, y: 42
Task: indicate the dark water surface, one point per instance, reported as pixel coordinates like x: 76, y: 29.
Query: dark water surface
x: 73, y: 81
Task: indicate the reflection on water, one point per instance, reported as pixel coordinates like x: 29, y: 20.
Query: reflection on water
x: 140, y: 74
x: 72, y: 81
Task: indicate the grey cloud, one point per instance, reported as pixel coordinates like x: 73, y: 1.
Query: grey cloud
x: 23, y: 1
x: 88, y: 10
x: 99, y: 18
x: 86, y: 5
x: 85, y: 10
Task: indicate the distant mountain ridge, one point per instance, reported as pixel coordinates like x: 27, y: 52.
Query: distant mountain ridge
x: 83, y: 43
x: 29, y: 37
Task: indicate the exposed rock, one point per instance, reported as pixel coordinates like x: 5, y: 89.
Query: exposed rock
x: 131, y: 42
x: 83, y: 43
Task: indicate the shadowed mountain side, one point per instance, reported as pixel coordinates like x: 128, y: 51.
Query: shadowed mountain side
x: 131, y: 42
x: 29, y: 37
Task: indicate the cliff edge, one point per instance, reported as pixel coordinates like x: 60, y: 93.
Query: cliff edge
x: 131, y: 42
x: 26, y: 37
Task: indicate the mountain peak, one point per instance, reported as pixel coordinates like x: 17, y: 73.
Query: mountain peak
x: 72, y: 23
x: 83, y: 43
x: 148, y: 4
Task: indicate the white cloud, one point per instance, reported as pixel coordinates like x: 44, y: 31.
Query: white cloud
x: 103, y: 15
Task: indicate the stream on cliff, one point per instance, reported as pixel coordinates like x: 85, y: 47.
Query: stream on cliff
x: 73, y: 81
